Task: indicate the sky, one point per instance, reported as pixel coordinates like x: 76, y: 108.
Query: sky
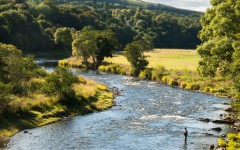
x: 198, y: 5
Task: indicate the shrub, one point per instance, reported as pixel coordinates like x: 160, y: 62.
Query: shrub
x: 101, y: 68
x: 165, y: 79
x: 172, y: 82
x: 195, y: 87
x: 146, y: 74
x: 82, y: 80
x: 183, y: 85
x: 192, y: 86
x: 221, y: 142
x: 5, y: 93
x: 60, y: 82
x: 36, y: 84
x: 142, y: 75
x: 158, y: 73
x: 207, y: 89
x: 232, y: 136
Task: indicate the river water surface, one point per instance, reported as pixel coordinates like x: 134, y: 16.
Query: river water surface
x: 148, y: 116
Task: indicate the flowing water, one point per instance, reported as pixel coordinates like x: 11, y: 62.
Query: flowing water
x: 148, y: 116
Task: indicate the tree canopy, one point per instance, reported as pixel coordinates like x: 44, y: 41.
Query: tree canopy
x: 134, y: 54
x: 94, y: 44
x: 32, y: 25
x: 220, y: 50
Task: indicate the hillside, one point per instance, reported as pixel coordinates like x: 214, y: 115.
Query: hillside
x: 31, y: 25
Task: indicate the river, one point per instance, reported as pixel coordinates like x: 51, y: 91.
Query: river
x: 148, y: 116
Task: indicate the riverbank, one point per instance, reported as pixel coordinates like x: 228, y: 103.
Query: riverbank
x: 183, y: 78
x: 40, y: 109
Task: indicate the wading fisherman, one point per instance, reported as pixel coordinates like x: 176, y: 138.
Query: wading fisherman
x: 185, y: 132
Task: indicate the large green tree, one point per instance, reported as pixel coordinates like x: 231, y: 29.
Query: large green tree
x: 64, y: 36
x: 220, y: 29
x: 220, y: 35
x: 135, y: 55
x: 19, y: 69
x: 96, y: 45
x: 3, y: 72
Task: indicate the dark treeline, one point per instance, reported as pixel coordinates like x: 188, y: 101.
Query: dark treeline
x: 31, y: 25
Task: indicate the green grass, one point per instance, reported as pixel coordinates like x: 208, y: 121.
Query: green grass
x: 38, y: 109
x: 169, y: 58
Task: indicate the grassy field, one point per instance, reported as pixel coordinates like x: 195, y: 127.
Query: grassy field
x: 170, y: 58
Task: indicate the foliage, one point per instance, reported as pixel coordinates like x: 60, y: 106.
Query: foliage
x: 32, y: 26
x: 64, y: 36
x: 220, y: 50
x: 19, y: 69
x: 3, y: 71
x: 158, y: 72
x: 60, y: 82
x: 219, y: 35
x: 5, y: 93
x: 134, y: 54
x: 95, y: 45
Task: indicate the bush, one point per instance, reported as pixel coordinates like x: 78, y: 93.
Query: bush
x: 221, y: 142
x: 36, y: 84
x: 172, y: 82
x: 207, y: 89
x: 146, y: 74
x: 192, y: 86
x: 60, y: 82
x: 183, y: 85
x: 165, y: 79
x: 5, y: 93
x: 158, y: 73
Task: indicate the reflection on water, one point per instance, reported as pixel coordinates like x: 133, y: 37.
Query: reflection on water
x: 148, y: 115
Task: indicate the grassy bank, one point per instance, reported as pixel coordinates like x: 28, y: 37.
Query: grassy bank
x: 176, y: 68
x: 173, y: 67
x: 37, y: 109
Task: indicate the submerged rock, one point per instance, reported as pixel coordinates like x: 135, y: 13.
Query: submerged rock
x: 203, y: 119
x: 229, y: 109
x: 217, y: 129
x: 25, y: 131
x: 224, y: 121
x: 212, y: 147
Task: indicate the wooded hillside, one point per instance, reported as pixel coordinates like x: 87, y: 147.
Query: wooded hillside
x: 31, y: 25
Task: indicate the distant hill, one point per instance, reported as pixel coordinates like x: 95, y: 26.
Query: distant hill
x: 31, y: 24
x: 153, y: 6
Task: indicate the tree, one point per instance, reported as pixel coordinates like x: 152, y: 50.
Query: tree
x: 134, y: 54
x: 146, y: 41
x: 60, y: 83
x: 5, y: 94
x: 19, y: 69
x: 95, y: 5
x: 220, y: 27
x: 64, y: 36
x: 220, y: 50
x: 96, y: 45
x: 3, y: 72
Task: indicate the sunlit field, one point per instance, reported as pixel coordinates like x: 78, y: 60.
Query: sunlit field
x: 170, y: 58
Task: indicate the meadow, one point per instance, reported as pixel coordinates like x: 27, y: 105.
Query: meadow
x: 169, y: 58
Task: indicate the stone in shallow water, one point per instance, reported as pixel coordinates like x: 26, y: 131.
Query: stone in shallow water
x: 25, y: 131
x: 217, y: 129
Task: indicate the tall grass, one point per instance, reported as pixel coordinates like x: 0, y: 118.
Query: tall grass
x: 38, y: 108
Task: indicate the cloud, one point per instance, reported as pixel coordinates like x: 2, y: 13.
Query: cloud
x: 198, y: 5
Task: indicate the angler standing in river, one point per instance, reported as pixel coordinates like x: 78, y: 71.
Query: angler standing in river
x: 185, y: 132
